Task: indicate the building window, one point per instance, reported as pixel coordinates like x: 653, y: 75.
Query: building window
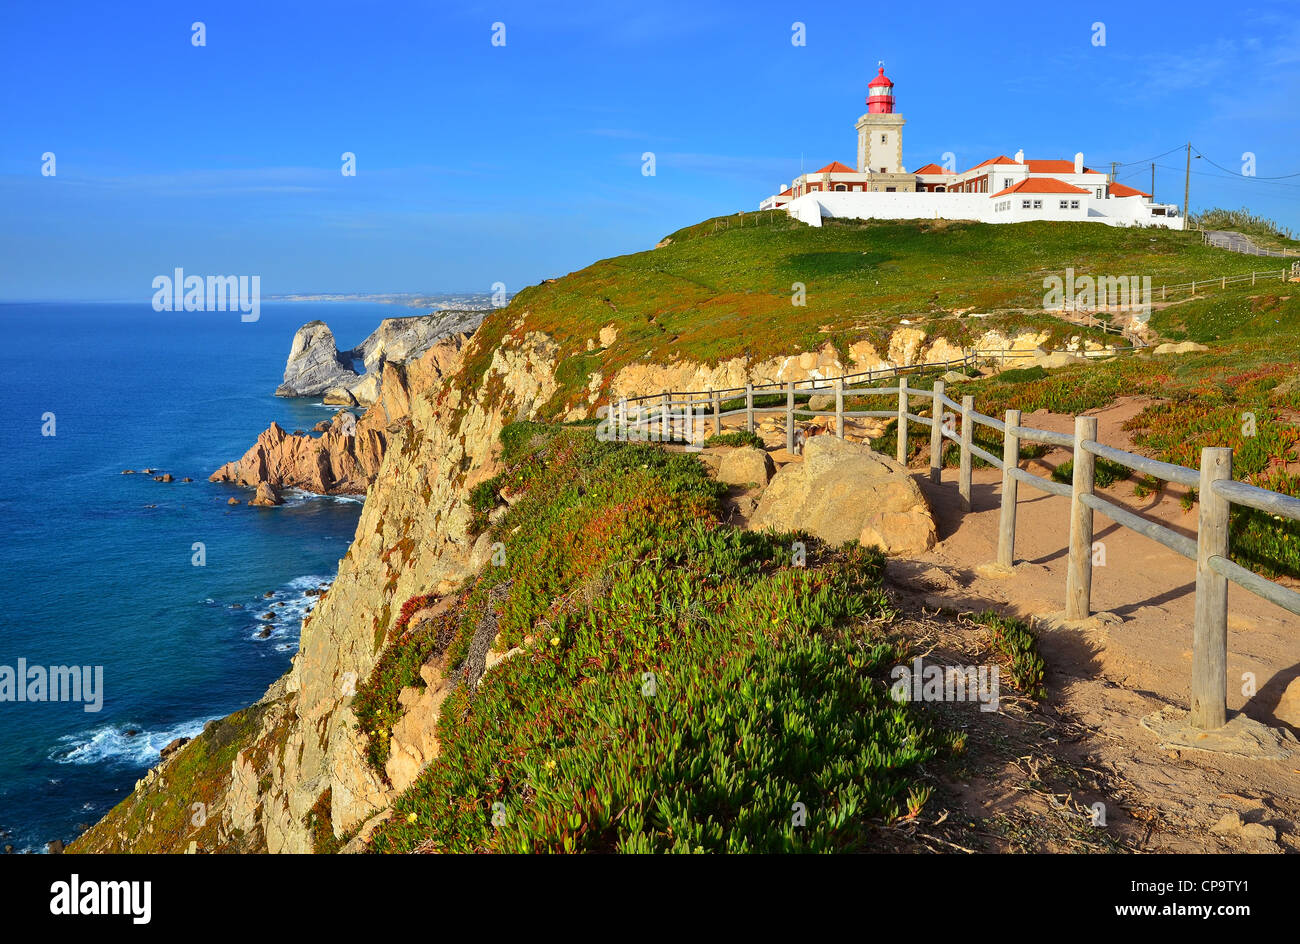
x: 1006, y: 182
x: 1098, y: 193
x: 1038, y: 204
x: 890, y: 189
x: 841, y: 187
x: 1024, y: 204
x: 857, y: 187
x: 1074, y: 204
x: 1065, y: 204
x: 883, y: 171
x: 884, y: 139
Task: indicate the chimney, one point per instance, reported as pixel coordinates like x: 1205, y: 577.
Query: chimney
x: 1020, y: 156
x: 1078, y: 163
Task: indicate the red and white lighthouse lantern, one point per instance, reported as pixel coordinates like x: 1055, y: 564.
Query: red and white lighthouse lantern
x: 880, y: 95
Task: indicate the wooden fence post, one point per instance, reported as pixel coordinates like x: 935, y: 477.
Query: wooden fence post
x: 839, y: 407
x: 1010, y: 462
x: 1210, y: 632
x: 789, y: 416
x: 1078, y: 575
x: 717, y: 411
x: 665, y: 425
x: 901, y: 451
x: 749, y: 407
x: 963, y: 475
x: 936, y: 433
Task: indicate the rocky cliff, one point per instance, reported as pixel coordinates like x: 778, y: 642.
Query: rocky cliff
x: 348, y: 452
x: 292, y: 774
x: 316, y: 366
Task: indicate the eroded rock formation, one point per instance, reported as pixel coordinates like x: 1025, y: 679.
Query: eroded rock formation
x: 348, y: 453
x: 317, y: 367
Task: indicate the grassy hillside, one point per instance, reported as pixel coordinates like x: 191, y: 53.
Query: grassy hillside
x: 723, y: 288
x: 683, y: 686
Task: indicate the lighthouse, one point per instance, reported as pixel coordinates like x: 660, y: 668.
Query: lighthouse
x: 880, y: 95
x: 880, y: 136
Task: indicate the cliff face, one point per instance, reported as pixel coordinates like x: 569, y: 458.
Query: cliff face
x: 302, y: 752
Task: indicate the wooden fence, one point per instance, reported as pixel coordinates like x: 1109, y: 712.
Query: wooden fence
x: 1213, y: 480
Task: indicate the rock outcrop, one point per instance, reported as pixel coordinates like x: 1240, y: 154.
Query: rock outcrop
x: 907, y: 346
x: 844, y: 491
x: 315, y: 363
x: 316, y: 366
x: 347, y: 455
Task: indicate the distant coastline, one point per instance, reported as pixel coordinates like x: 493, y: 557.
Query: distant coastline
x: 443, y: 301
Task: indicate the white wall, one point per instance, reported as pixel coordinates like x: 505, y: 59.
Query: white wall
x: 811, y: 207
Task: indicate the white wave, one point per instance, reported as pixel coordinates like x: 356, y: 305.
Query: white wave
x: 111, y: 743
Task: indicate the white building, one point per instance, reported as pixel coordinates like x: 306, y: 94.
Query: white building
x: 999, y: 190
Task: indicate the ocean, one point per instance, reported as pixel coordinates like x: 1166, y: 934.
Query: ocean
x: 98, y: 568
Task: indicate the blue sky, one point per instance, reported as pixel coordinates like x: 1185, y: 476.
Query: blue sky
x: 479, y: 163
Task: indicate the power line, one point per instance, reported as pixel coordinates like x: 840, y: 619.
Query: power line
x: 1243, y: 176
x: 1230, y: 176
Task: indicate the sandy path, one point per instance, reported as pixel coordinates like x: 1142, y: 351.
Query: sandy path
x: 1109, y: 678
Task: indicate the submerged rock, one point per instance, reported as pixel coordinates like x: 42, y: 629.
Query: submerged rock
x: 266, y: 496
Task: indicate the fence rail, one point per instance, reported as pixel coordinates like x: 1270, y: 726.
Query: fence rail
x: 1213, y: 480
x: 1219, y: 241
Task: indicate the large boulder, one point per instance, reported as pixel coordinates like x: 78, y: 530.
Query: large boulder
x: 844, y: 491
x: 745, y: 465
x: 1181, y: 347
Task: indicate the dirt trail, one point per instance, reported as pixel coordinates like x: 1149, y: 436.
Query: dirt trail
x: 1107, y: 679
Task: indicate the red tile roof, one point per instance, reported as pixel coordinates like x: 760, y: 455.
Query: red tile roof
x: 1123, y: 190
x: 931, y: 169
x: 835, y: 167
x: 1055, y: 167
x: 1042, y: 185
x: 1000, y: 159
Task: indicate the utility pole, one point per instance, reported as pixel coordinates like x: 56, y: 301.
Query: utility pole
x: 1153, y: 181
x: 1187, y: 184
x: 1113, y: 165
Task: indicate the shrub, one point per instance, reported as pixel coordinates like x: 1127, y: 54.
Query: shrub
x: 739, y: 438
x: 1017, y: 645
x: 1105, y: 473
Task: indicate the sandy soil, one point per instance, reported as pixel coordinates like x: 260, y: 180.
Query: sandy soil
x: 1101, y: 682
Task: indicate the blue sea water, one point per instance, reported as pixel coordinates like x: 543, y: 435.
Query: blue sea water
x: 96, y: 567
